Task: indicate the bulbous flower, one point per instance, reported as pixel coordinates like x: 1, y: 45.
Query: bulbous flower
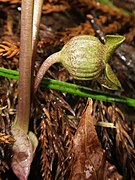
x: 86, y: 58
x: 83, y: 57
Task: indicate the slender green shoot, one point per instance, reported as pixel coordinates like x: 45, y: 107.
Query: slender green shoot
x: 73, y: 89
x: 110, y: 4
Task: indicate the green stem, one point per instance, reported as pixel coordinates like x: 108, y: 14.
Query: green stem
x: 74, y: 89
x: 86, y: 92
x: 25, y: 62
x: 110, y: 4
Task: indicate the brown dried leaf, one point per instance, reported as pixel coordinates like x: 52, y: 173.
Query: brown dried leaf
x: 11, y: 1
x: 8, y: 49
x: 22, y: 154
x: 49, y: 8
x: 90, y: 162
x: 6, y: 138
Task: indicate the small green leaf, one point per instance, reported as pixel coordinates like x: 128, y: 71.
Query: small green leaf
x: 106, y: 83
x: 111, y: 43
x: 34, y: 140
x: 109, y: 80
x: 112, y: 77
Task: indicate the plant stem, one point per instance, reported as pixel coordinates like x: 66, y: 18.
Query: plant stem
x: 110, y: 4
x: 86, y: 92
x: 25, y: 62
x: 73, y: 89
x: 35, y: 31
x: 36, y: 23
x: 54, y: 58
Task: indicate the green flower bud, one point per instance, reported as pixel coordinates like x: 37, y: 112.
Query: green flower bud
x: 83, y: 57
x: 86, y: 58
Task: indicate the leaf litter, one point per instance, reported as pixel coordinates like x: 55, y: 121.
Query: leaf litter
x: 90, y: 159
x: 53, y: 113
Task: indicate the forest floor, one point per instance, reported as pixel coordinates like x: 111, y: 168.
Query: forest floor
x: 69, y: 138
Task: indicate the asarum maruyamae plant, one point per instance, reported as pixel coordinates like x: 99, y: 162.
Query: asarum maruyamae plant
x: 86, y: 58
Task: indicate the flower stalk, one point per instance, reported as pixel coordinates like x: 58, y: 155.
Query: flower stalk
x: 25, y: 62
x: 30, y: 21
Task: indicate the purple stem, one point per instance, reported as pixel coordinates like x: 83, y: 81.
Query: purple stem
x: 25, y: 62
x: 54, y: 58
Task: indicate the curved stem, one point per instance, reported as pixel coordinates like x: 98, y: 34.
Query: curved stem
x: 54, y: 58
